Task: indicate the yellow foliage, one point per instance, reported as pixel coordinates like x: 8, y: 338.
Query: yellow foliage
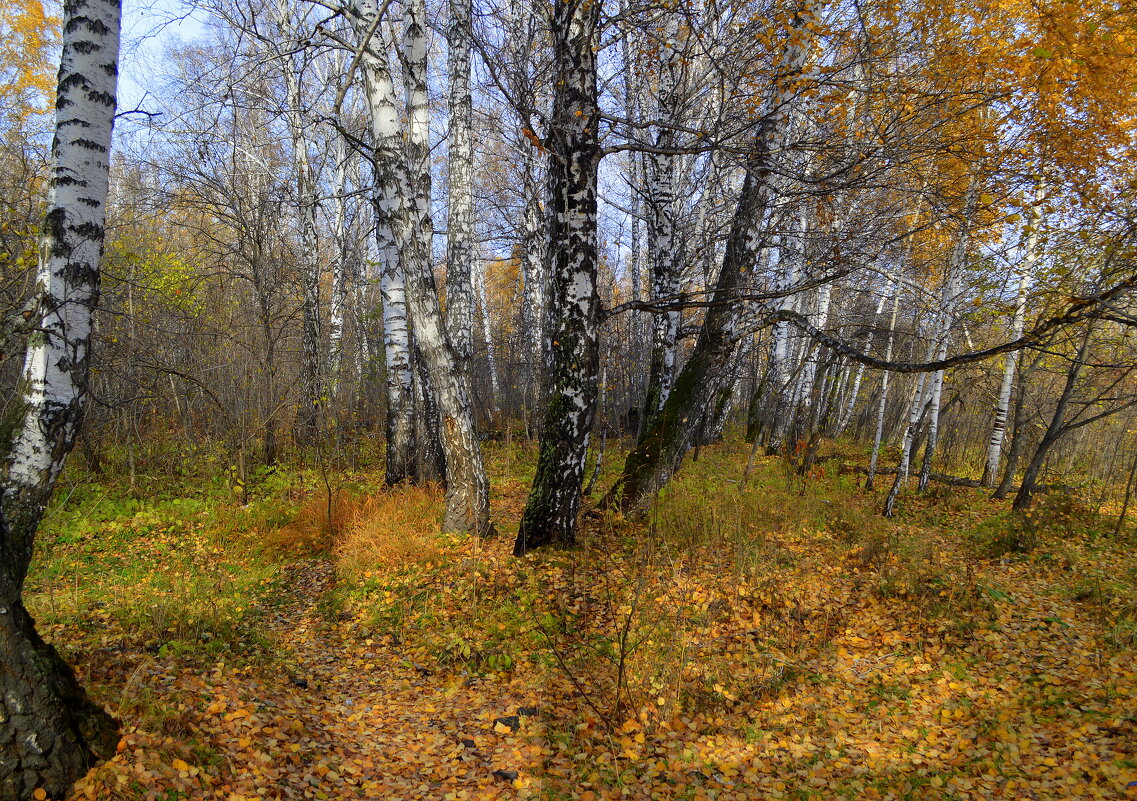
x: 28, y: 38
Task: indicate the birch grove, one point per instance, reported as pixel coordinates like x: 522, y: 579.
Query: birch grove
x: 893, y: 243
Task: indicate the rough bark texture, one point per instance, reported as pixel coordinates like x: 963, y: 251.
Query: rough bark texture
x: 460, y: 220
x: 50, y: 732
x: 574, y: 304
x: 406, y: 172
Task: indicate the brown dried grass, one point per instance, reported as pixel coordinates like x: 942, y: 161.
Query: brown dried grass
x: 317, y: 525
x: 394, y: 528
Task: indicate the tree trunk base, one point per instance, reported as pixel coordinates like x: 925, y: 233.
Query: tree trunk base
x: 50, y: 731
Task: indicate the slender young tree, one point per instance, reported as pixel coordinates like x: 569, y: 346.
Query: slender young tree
x: 50, y: 731
x: 305, y: 188
x: 1003, y: 403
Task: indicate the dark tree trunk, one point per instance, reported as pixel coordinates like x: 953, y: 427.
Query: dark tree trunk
x: 661, y: 446
x: 50, y: 731
x: 574, y: 304
x: 1054, y: 431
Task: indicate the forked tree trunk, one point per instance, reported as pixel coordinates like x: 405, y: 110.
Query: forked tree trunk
x: 467, y: 490
x: 406, y: 170
x: 574, y: 303
x: 50, y: 731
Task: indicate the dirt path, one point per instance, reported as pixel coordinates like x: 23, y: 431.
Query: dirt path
x: 354, y: 718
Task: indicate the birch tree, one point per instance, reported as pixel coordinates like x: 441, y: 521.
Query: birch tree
x: 305, y: 188
x: 50, y: 731
x: 574, y: 304
x: 1018, y: 321
x: 661, y: 447
x: 403, y: 185
x: 460, y: 220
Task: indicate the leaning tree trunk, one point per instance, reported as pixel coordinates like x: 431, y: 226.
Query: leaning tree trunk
x: 574, y: 303
x: 660, y: 447
x: 1025, y: 496
x: 50, y: 731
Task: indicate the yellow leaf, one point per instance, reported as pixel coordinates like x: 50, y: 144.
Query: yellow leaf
x: 180, y: 765
x: 501, y: 728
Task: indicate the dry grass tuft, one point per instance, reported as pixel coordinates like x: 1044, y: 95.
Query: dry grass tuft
x: 318, y: 525
x: 395, y: 528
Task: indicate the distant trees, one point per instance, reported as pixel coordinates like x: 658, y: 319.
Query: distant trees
x: 717, y: 213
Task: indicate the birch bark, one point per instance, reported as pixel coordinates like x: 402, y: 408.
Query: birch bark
x: 574, y: 304
x: 1003, y: 404
x: 460, y: 219
x: 406, y: 171
x: 665, y: 262
x: 307, y: 256
x: 50, y: 731
x: 885, y: 381
x: 660, y: 447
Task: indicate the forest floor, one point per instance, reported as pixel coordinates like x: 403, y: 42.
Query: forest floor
x: 778, y: 640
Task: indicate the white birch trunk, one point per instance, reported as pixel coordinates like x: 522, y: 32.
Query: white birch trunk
x: 487, y: 335
x: 467, y: 490
x: 387, y: 158
x: 340, y: 267
x: 847, y: 414
x: 307, y: 256
x: 1003, y: 404
x: 460, y: 219
x: 885, y: 380
x: 662, y: 244
x: 50, y: 731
